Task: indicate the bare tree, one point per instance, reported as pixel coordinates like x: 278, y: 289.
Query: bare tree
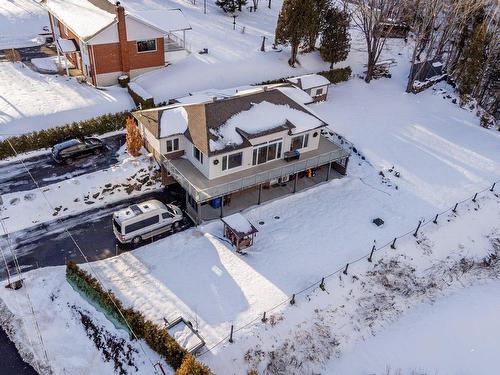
x: 368, y: 16
x: 426, y: 31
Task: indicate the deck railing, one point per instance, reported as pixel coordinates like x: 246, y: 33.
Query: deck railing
x: 202, y: 195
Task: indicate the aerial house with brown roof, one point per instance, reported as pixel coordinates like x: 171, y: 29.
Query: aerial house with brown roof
x: 103, y: 40
x: 234, y: 152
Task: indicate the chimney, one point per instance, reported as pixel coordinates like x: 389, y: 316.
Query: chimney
x: 122, y: 37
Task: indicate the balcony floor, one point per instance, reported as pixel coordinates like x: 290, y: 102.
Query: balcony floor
x: 200, y: 182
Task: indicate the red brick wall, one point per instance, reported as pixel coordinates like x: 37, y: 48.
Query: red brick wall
x: 107, y: 58
x: 146, y: 59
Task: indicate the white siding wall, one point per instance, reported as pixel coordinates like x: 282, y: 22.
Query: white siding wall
x: 108, y: 35
x: 163, y: 143
x: 138, y: 31
x: 203, y: 168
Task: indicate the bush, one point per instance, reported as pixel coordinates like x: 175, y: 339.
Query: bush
x: 155, y: 335
x: 49, y: 137
x: 337, y: 75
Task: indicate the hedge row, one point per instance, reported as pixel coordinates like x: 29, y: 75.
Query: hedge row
x: 49, y: 137
x: 334, y: 76
x: 155, y: 335
x: 337, y: 75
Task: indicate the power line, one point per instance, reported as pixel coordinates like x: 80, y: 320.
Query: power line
x: 82, y: 254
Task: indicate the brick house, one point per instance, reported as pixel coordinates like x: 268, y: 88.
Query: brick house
x: 105, y: 41
x: 232, y: 152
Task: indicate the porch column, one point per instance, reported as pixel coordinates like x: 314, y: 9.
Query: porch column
x: 221, y: 207
x: 184, y: 39
x: 66, y: 63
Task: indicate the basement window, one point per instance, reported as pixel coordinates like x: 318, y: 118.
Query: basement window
x: 146, y: 45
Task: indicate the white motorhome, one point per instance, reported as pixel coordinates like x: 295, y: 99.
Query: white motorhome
x: 145, y: 220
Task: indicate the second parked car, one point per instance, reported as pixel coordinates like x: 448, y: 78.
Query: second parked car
x: 68, y: 151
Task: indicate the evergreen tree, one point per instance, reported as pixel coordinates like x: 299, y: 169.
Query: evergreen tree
x: 293, y: 26
x: 317, y: 12
x: 230, y: 6
x: 473, y: 61
x: 335, y: 39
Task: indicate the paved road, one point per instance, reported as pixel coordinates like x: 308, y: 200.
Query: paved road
x: 10, y: 360
x: 13, y: 176
x: 49, y: 245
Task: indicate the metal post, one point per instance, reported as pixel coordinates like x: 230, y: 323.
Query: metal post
x: 418, y: 227
x: 371, y: 254
x: 221, y: 205
x: 493, y: 186
x: 231, y: 334
x: 234, y: 21
x: 328, y: 171
x: 455, y: 208
x: 393, y: 246
x: 322, y: 284
x: 345, y: 269
x: 160, y: 366
x: 295, y: 182
x: 204, y: 6
x: 260, y: 194
x: 435, y: 221
x: 292, y: 301
x: 263, y: 45
x: 474, y: 199
x: 269, y: 4
x: 264, y: 319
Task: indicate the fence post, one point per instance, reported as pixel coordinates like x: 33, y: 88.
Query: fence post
x: 455, y: 208
x: 322, y: 284
x: 393, y: 245
x: 292, y: 301
x: 474, y: 199
x: 418, y: 227
x: 231, y: 334
x: 435, y: 221
x: 371, y: 254
x: 264, y: 319
x: 493, y: 186
x: 345, y: 269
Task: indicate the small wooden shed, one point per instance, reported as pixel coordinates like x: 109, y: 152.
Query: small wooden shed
x: 239, y: 231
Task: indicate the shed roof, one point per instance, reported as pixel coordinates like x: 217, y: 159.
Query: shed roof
x: 309, y: 81
x: 239, y: 224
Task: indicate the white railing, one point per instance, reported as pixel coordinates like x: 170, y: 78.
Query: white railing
x: 201, y: 195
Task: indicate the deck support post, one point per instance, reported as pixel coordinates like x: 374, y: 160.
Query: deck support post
x: 295, y: 182
x: 221, y: 207
x: 260, y: 194
x: 328, y: 171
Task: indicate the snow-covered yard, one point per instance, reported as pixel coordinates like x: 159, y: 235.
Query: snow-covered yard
x: 21, y: 22
x: 33, y: 101
x: 130, y: 177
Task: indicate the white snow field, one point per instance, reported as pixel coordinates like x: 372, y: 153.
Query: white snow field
x: 456, y: 335
x: 21, y: 22
x: 32, y: 101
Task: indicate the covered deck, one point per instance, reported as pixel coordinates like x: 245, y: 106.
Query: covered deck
x: 255, y: 185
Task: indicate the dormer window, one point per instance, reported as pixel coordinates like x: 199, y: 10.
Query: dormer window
x: 172, y: 144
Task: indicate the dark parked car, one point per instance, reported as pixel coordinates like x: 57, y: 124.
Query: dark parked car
x: 68, y: 151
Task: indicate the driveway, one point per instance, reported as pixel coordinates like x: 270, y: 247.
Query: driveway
x: 10, y: 360
x: 49, y: 245
x: 13, y: 176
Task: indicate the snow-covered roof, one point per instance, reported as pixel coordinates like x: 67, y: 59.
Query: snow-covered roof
x: 139, y: 90
x: 309, y: 81
x: 173, y: 121
x: 239, y: 224
x: 296, y: 94
x: 83, y: 17
x: 261, y: 117
x: 166, y: 19
x: 66, y: 45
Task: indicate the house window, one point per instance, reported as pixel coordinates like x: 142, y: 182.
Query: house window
x: 299, y: 142
x: 319, y: 91
x: 267, y: 152
x: 232, y: 161
x: 172, y: 144
x: 197, y: 154
x: 146, y: 45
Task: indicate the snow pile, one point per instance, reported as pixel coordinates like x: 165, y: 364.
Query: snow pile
x: 131, y: 177
x: 51, y: 64
x: 139, y: 90
x: 261, y: 117
x: 81, y: 16
x: 173, y: 121
x: 309, y: 81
